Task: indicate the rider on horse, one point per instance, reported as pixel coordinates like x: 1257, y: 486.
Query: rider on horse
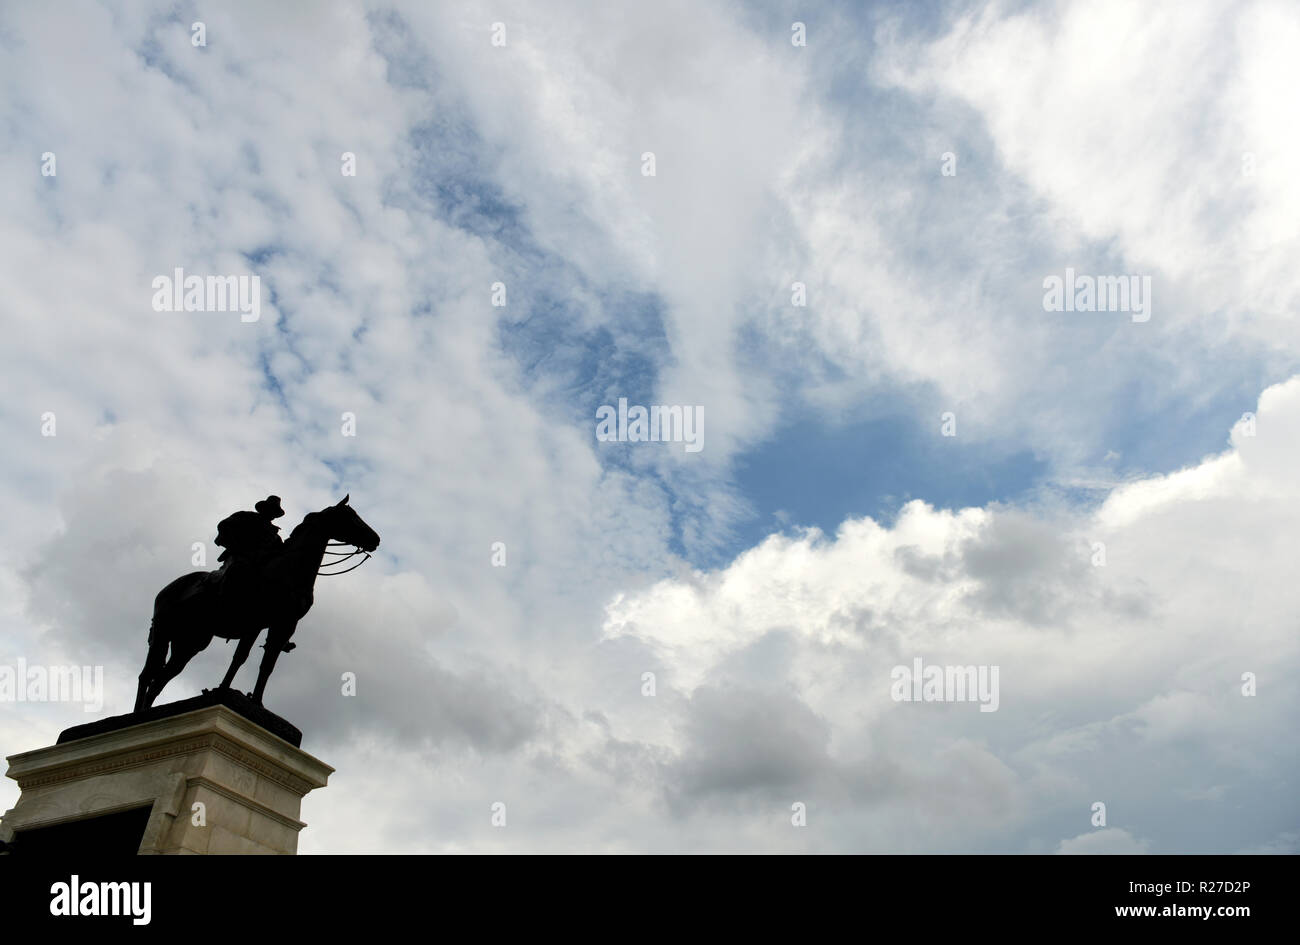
x: 274, y: 590
x: 250, y: 539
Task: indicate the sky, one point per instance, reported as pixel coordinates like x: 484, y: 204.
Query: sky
x: 838, y: 260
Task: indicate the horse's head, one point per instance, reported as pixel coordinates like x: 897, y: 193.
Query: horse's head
x: 343, y: 524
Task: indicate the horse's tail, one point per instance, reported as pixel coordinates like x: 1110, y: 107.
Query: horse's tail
x: 154, y: 661
x: 158, y: 640
x: 161, y: 625
x: 155, y: 630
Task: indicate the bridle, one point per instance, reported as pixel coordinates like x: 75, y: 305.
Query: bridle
x: 343, y: 556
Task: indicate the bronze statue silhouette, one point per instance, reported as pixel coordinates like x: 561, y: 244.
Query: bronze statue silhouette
x: 251, y: 534
x: 264, y: 584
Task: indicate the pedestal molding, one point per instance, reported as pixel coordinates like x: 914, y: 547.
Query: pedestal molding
x: 250, y: 781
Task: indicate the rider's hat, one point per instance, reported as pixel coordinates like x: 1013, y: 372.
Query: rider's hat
x: 270, y: 507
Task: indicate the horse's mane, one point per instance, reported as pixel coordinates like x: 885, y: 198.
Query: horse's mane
x: 306, y: 520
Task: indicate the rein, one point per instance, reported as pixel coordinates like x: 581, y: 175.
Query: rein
x: 343, y: 556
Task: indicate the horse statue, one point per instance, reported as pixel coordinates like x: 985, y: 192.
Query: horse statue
x: 190, y: 611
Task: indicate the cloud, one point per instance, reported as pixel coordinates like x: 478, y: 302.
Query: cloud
x: 745, y: 741
x: 1119, y: 682
x: 1286, y: 843
x: 1111, y: 841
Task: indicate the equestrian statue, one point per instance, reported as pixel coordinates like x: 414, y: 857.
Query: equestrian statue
x: 265, y: 583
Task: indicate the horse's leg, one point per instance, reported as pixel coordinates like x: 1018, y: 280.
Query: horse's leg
x: 241, y: 654
x: 153, y: 664
x: 277, y: 639
x: 169, y: 672
x: 181, y: 654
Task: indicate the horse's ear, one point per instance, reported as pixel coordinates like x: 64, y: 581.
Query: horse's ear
x: 345, y: 499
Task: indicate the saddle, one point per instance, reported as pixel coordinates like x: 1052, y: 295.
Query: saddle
x: 229, y: 586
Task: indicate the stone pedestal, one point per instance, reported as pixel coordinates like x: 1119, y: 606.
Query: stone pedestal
x: 97, y: 792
